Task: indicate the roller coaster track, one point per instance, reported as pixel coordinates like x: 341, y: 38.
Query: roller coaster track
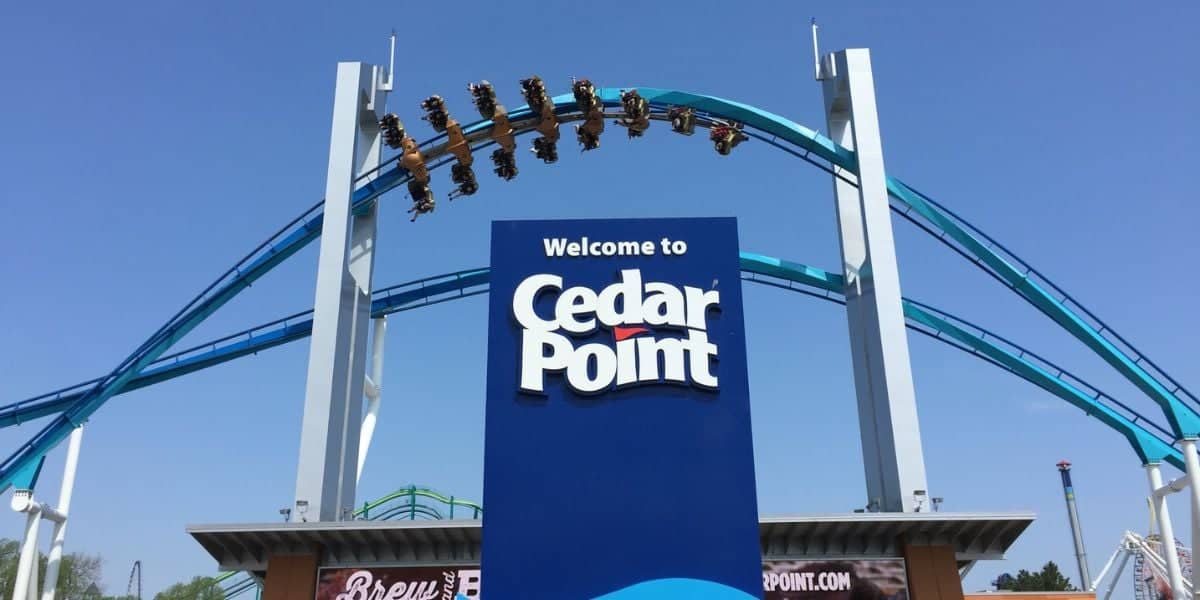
x: 1151, y: 442
x: 21, y: 468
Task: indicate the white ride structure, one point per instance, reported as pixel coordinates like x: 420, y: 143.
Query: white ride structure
x: 1151, y: 575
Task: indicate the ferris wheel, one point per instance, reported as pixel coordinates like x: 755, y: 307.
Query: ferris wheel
x: 1150, y: 580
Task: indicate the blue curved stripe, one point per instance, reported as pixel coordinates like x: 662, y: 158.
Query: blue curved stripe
x: 660, y: 589
x: 1183, y: 420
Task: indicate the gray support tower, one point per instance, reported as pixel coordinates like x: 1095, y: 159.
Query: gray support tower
x: 329, y: 435
x: 893, y: 460
x: 1085, y: 578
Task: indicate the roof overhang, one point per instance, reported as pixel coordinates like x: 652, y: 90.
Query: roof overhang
x: 342, y: 543
x: 974, y: 536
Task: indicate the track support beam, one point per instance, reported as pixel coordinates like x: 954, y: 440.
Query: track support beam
x: 1167, y: 531
x: 1192, y: 460
x: 893, y: 460
x: 328, y: 466
x: 58, y: 540
x: 374, y: 391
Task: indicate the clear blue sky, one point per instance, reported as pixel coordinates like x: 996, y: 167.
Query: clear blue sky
x: 146, y: 146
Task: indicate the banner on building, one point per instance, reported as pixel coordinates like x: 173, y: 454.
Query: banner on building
x: 618, y: 454
x: 875, y: 579
x: 399, y: 583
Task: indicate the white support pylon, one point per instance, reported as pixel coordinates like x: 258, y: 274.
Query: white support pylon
x: 1166, y: 532
x: 1192, y: 461
x: 374, y: 392
x: 54, y: 560
x: 26, y: 583
x: 26, y: 578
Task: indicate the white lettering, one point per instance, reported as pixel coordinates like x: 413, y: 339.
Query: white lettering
x: 628, y: 248
x: 665, y: 307
x: 468, y: 583
x: 672, y: 353
x: 698, y: 302
x: 559, y: 247
x: 535, y: 362
x: 573, y: 303
x: 524, y: 297
x: 629, y: 292
x: 359, y: 587
x: 627, y: 370
x: 638, y: 353
x: 555, y: 246
x: 700, y: 354
x: 605, y: 361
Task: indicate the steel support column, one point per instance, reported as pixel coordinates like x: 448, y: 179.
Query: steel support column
x: 1192, y: 460
x: 893, y: 460
x: 1166, y: 530
x: 58, y: 540
x: 327, y: 472
x: 25, y: 584
x: 1085, y: 578
x: 374, y: 391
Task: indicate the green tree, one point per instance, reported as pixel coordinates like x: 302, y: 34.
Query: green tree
x: 1049, y: 579
x: 77, y: 573
x: 10, y: 553
x: 199, y: 588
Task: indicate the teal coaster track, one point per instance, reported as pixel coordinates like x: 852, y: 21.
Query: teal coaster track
x: 149, y: 363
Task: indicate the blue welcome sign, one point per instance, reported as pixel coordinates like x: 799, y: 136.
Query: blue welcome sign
x: 618, y: 454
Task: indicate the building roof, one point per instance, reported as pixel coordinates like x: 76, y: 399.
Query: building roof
x: 246, y: 547
x: 974, y: 536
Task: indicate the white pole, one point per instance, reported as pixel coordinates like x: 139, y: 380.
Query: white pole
x: 1192, y: 460
x: 816, y: 52
x: 1167, y: 532
x: 1108, y: 565
x: 391, y: 74
x: 32, y: 593
x: 1112, y: 585
x: 374, y: 392
x: 23, y: 502
x: 64, y: 507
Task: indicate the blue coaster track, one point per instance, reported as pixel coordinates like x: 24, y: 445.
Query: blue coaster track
x: 141, y: 367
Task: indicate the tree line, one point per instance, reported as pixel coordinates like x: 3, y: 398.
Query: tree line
x: 79, y: 578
